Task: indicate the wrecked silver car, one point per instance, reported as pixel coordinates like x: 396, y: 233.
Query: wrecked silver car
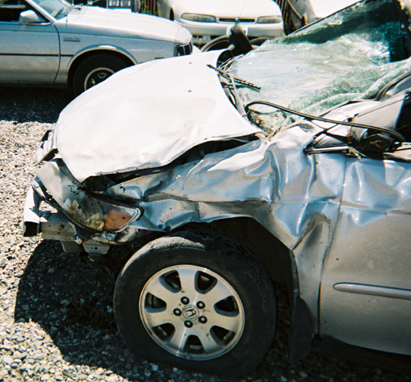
x: 291, y: 163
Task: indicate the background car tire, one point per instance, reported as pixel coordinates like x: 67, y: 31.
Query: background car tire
x: 94, y: 70
x: 151, y: 305
x: 221, y: 42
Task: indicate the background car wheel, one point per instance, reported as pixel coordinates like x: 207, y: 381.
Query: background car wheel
x: 196, y: 301
x: 94, y: 70
x: 221, y: 42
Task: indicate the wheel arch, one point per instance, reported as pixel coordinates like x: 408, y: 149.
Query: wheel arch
x: 89, y: 52
x: 257, y: 239
x: 281, y: 266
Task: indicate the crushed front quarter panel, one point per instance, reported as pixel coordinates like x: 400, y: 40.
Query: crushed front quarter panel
x: 293, y: 195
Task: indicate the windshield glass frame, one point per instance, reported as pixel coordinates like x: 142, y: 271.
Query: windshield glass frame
x: 57, y: 9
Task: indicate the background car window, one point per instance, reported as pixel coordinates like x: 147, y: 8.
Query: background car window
x: 55, y: 8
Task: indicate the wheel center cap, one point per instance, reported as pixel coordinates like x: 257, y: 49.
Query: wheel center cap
x: 190, y: 312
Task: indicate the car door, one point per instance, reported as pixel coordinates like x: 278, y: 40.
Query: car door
x: 29, y: 52
x: 366, y: 283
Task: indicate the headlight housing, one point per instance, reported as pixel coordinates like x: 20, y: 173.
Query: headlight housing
x: 269, y: 20
x: 183, y: 50
x: 199, y: 18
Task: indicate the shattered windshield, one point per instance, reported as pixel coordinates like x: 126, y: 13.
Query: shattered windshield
x: 349, y: 55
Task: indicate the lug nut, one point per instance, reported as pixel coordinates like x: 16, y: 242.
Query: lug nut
x: 177, y: 312
x: 185, y: 300
x: 200, y: 305
x: 203, y: 319
x: 188, y: 324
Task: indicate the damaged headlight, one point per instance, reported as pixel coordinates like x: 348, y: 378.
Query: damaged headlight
x: 80, y: 206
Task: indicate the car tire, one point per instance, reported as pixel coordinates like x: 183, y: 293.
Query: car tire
x: 196, y: 301
x: 95, y: 69
x: 221, y: 42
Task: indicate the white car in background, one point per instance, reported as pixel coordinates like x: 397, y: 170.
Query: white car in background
x: 298, y: 13
x: 207, y: 20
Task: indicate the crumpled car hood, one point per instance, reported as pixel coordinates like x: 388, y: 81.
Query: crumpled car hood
x: 146, y: 116
x: 109, y: 22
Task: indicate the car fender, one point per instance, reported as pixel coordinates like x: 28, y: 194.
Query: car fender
x: 87, y: 52
x: 99, y: 49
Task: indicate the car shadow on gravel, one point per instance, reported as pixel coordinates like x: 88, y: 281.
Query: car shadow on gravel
x: 72, y: 302
x: 41, y: 105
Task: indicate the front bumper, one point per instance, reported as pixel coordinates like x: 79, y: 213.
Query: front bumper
x: 57, y: 226
x: 205, y: 32
x: 52, y: 225
x: 74, y: 217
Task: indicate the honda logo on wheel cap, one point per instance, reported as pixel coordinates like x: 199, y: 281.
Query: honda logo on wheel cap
x: 190, y: 312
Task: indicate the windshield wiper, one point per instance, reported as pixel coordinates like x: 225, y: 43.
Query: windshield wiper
x: 311, y: 118
x: 232, y: 91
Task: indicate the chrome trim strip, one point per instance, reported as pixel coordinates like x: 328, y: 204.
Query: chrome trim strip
x: 72, y: 39
x: 403, y: 294
x: 28, y: 55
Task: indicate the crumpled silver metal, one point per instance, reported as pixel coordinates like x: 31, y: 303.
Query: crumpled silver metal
x: 293, y: 195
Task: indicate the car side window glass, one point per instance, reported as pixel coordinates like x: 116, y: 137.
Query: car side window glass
x: 10, y: 10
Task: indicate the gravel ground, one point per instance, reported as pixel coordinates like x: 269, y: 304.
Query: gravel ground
x: 56, y: 317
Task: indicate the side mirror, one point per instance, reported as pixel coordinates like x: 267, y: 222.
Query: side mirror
x: 30, y: 17
x: 135, y: 6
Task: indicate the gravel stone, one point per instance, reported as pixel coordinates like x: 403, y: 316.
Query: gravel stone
x: 56, y: 316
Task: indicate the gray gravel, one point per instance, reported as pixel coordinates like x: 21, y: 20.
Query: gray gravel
x: 56, y: 316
